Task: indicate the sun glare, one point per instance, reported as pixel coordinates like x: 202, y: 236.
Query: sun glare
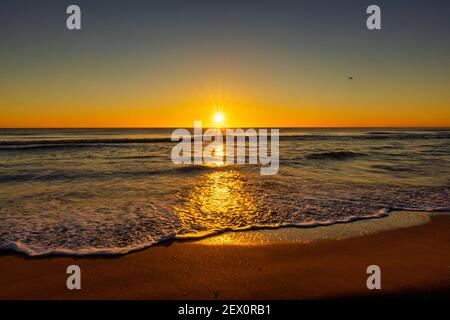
x: 219, y: 117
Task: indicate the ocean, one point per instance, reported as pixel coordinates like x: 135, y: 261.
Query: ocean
x: 113, y: 191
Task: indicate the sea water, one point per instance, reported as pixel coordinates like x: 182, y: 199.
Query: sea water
x: 112, y: 191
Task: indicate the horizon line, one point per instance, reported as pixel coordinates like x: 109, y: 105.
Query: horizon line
x: 257, y: 127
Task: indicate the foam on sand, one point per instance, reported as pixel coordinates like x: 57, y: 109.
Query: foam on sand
x: 395, y: 220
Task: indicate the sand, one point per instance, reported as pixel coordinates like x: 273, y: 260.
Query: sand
x: 414, y: 261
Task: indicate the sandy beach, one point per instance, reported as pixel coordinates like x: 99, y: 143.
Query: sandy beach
x: 414, y: 262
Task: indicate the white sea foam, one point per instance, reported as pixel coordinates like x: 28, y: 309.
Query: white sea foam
x: 35, y: 250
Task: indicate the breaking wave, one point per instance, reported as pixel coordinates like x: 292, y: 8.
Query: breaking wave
x: 36, y: 250
x: 335, y: 155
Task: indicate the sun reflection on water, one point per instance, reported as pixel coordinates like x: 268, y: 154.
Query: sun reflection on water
x: 220, y: 200
x: 219, y: 155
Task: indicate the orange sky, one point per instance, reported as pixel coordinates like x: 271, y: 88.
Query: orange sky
x: 166, y: 67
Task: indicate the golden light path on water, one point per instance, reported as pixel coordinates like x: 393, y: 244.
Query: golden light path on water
x: 219, y: 155
x: 220, y: 200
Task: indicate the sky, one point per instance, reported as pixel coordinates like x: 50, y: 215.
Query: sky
x: 261, y: 63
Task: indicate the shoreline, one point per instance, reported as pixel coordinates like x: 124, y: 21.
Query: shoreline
x: 265, y: 234
x: 414, y: 261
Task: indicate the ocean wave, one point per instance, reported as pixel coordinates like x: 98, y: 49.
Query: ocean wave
x: 136, y: 157
x: 45, y: 147
x: 76, y: 142
x: 392, y: 168
x: 80, y: 175
x: 39, y: 251
x: 374, y: 136
x: 386, y: 148
x: 36, y: 250
x: 380, y: 132
x: 334, y: 155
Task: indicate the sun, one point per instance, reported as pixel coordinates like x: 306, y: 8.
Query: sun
x: 219, y: 117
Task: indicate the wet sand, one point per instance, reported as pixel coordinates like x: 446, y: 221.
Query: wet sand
x: 414, y: 261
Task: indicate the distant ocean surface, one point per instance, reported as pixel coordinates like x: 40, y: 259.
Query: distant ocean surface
x: 112, y: 191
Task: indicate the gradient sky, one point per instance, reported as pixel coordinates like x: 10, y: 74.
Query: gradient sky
x: 262, y: 63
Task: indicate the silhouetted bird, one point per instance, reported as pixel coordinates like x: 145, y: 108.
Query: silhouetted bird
x: 350, y: 78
